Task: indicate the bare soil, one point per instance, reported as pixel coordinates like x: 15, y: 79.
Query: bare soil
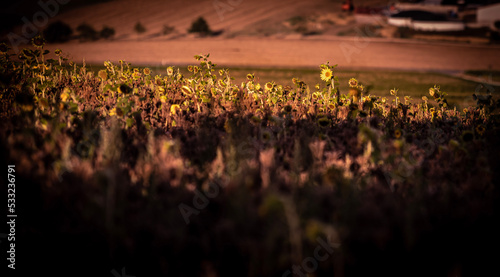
x: 262, y: 33
x: 354, y: 52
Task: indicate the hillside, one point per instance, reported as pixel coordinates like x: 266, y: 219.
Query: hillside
x: 230, y: 17
x: 260, y: 33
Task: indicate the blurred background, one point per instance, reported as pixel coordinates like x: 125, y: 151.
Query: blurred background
x: 451, y: 42
x: 409, y: 45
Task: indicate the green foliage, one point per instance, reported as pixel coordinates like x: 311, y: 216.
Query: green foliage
x: 167, y: 29
x: 139, y: 28
x: 107, y: 32
x: 57, y: 32
x: 200, y: 26
x: 280, y: 167
x: 298, y: 19
x: 404, y: 32
x: 87, y: 32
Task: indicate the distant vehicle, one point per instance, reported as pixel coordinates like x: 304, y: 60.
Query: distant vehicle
x: 347, y: 6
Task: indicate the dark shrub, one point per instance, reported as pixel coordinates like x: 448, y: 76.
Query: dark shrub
x: 87, y: 32
x: 107, y: 32
x: 495, y: 37
x: 57, y: 32
x: 404, y: 32
x: 167, y: 29
x: 200, y: 26
x: 139, y: 28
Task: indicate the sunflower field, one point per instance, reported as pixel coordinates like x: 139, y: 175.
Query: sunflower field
x: 196, y: 175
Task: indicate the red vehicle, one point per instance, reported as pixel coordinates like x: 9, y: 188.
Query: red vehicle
x: 347, y: 6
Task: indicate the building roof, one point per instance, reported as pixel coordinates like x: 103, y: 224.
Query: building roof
x: 489, y: 7
x: 420, y: 15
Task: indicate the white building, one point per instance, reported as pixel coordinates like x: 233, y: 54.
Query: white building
x: 487, y: 15
x: 425, y: 21
x: 400, y: 21
x: 438, y: 26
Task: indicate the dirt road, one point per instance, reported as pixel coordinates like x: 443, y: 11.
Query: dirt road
x: 354, y: 52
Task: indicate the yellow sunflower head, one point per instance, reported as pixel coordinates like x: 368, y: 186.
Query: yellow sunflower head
x: 158, y: 81
x: 66, y: 94
x: 397, y: 133
x: 174, y: 108
x: 170, y: 71
x: 136, y: 75
x: 38, y: 41
x: 480, y: 129
x: 353, y: 82
x: 123, y: 88
x: 467, y: 136
x: 119, y: 112
x: 103, y: 75
x: 326, y: 74
x: 269, y: 86
x: 186, y: 90
x: 432, y: 91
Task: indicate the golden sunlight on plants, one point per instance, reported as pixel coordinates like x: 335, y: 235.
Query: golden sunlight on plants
x: 189, y: 170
